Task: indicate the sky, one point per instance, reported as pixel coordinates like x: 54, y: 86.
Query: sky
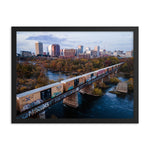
x: 106, y: 40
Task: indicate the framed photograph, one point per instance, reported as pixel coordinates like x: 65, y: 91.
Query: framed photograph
x: 74, y: 74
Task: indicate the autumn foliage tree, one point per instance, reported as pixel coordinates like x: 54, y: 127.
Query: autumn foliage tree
x: 30, y: 76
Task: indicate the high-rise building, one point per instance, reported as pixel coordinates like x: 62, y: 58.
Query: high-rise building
x: 55, y: 49
x: 69, y: 53
x: 39, y: 48
x: 128, y: 54
x: 50, y: 50
x: 94, y: 53
x: 97, y: 48
x: 80, y: 49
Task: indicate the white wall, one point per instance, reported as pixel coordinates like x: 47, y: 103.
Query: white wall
x: 74, y: 136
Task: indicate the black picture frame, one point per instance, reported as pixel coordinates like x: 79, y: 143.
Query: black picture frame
x: 74, y: 29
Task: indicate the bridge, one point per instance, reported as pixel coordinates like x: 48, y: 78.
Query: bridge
x: 39, y: 107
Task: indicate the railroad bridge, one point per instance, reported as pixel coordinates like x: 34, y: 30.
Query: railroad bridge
x: 42, y: 97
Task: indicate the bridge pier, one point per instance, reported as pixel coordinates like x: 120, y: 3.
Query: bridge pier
x: 71, y: 100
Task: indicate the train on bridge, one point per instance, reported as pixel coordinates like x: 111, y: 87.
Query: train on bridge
x: 34, y: 97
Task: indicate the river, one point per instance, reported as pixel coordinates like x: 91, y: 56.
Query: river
x: 56, y: 75
x: 108, y: 106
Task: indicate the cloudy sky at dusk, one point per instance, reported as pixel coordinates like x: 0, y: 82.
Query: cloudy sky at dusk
x: 106, y: 40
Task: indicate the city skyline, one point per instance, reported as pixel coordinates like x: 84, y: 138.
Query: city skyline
x: 106, y: 40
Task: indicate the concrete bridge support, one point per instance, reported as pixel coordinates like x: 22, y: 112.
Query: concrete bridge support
x: 71, y: 100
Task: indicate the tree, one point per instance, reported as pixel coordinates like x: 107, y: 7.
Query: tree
x: 114, y: 80
x: 130, y: 84
x: 97, y: 92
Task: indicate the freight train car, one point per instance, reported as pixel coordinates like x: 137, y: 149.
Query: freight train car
x: 107, y: 70
x: 42, y: 93
x: 69, y: 84
x: 100, y: 72
x: 56, y: 90
x: 87, y: 76
x: 51, y: 91
x: 94, y: 75
x: 116, y: 66
x: 82, y: 79
x: 110, y: 69
x: 113, y: 67
x: 26, y: 98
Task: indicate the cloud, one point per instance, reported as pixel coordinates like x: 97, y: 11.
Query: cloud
x: 47, y: 39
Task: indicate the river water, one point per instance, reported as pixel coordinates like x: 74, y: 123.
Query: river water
x: 107, y: 106
x: 56, y: 75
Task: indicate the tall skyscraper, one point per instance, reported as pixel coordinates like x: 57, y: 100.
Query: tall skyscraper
x: 39, y: 48
x: 55, y: 50
x: 97, y: 48
x: 80, y: 49
x: 50, y: 50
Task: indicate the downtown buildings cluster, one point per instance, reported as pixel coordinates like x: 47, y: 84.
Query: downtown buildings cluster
x: 55, y: 51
